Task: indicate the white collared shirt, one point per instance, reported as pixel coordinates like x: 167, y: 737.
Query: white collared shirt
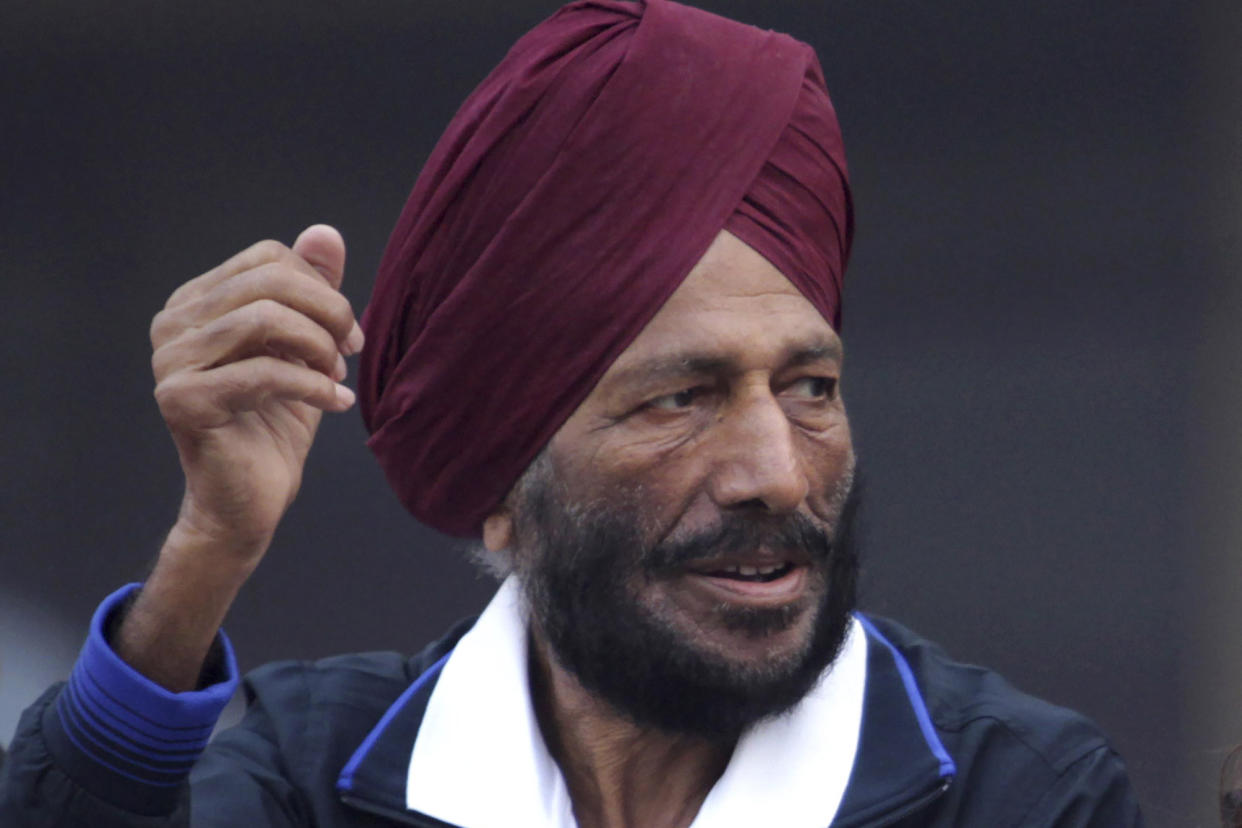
x: 480, y: 761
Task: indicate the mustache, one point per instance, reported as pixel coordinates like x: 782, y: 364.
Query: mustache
x: 741, y: 532
x: 738, y: 534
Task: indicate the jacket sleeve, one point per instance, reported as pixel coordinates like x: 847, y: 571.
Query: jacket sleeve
x: 1093, y: 792
x: 109, y: 748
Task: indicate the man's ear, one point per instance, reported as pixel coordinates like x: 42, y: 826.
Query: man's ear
x: 498, y: 530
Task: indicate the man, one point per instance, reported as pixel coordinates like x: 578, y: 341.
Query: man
x: 604, y: 338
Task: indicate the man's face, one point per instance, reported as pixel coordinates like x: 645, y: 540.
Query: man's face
x: 678, y: 529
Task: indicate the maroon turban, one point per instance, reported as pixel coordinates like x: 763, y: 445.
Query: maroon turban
x: 568, y: 198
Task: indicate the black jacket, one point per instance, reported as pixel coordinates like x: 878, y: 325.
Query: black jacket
x: 327, y: 744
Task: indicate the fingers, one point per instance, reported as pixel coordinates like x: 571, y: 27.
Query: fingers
x: 267, y: 301
x: 323, y: 242
x: 263, y: 327
x: 246, y: 357
x: 274, y: 281
x: 208, y: 399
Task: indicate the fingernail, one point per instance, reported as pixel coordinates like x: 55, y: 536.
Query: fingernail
x: 339, y: 372
x: 344, y: 396
x: 354, y: 342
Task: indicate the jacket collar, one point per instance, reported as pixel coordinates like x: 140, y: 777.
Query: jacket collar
x: 901, y: 762
x: 461, y: 746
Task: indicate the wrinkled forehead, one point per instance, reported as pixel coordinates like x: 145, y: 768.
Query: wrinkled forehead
x: 734, y: 310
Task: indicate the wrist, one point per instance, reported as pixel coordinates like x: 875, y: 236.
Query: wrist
x: 199, y: 537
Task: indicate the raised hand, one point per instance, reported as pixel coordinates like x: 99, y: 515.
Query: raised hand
x: 246, y: 357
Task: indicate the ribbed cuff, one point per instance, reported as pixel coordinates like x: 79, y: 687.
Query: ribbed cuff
x: 123, y: 721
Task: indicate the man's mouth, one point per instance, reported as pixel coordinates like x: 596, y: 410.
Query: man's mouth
x: 757, y: 574
x: 765, y: 583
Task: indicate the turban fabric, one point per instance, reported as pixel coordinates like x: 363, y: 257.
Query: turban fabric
x: 568, y: 198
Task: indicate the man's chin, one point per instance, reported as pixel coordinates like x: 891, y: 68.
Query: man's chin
x: 665, y: 660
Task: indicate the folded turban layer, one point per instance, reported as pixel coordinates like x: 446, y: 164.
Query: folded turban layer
x: 568, y: 198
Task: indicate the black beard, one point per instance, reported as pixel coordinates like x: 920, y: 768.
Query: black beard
x: 578, y: 568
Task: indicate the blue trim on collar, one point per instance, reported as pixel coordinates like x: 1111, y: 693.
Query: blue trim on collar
x: 346, y: 780
x: 947, y: 767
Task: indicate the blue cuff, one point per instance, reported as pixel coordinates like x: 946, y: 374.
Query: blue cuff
x: 127, y: 723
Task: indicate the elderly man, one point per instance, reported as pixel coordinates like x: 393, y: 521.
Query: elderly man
x: 604, y: 338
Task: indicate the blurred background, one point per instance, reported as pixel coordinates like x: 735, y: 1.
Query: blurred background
x: 1042, y: 325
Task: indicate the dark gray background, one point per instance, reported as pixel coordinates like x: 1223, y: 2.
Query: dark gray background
x: 1041, y: 324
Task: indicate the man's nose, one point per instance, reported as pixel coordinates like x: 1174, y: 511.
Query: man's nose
x: 757, y: 462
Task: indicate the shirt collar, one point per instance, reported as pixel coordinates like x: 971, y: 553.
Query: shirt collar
x: 480, y: 724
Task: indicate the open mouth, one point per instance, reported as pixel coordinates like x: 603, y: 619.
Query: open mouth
x: 754, y: 574
x: 764, y: 581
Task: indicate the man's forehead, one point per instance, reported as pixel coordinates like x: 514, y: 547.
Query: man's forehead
x: 734, y: 305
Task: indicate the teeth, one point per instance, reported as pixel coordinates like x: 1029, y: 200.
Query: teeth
x: 752, y: 571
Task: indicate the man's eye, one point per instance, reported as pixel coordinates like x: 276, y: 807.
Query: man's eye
x: 816, y: 388
x: 675, y: 401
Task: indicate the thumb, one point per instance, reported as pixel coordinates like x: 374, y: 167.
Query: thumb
x: 323, y: 248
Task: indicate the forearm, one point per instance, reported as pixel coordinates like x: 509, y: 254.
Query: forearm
x: 169, y: 629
